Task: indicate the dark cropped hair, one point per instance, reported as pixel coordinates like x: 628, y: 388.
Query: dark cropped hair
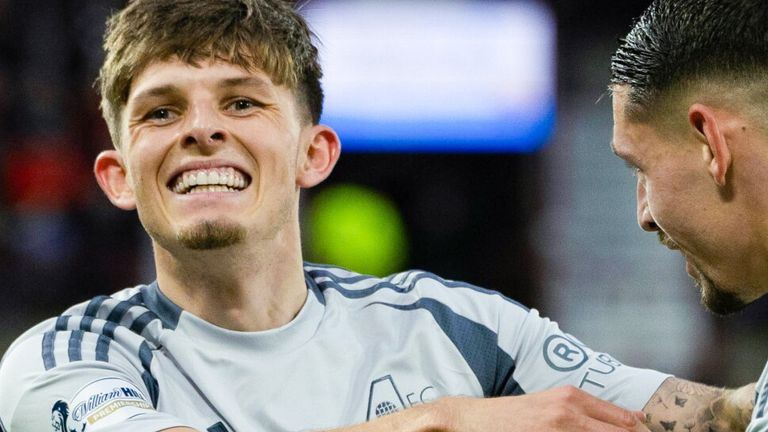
x: 677, y: 43
x: 265, y: 34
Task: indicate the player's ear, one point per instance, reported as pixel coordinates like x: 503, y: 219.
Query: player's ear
x: 112, y: 177
x: 319, y: 155
x: 709, y: 131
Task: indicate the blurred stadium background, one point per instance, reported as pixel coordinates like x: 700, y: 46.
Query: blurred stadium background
x: 546, y: 216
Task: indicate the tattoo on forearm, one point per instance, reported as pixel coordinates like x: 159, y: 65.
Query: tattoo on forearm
x: 696, y: 408
x: 660, y: 401
x: 668, y: 426
x: 695, y: 389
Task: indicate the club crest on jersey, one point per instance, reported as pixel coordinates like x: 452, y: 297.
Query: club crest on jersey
x: 384, y: 398
x: 60, y: 418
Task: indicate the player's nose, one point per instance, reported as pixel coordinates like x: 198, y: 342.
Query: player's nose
x: 203, y: 128
x: 644, y: 216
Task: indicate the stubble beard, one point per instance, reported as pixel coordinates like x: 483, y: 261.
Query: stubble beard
x: 210, y: 235
x: 714, y: 297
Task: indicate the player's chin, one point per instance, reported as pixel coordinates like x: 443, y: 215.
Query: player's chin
x: 716, y: 299
x: 211, y: 235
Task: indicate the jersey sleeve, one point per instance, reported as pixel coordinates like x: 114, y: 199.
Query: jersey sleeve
x: 545, y: 357
x: 69, y: 381
x: 759, y: 421
x: 758, y: 425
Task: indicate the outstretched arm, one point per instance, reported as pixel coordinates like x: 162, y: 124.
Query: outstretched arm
x: 684, y: 406
x: 677, y: 406
x: 563, y: 409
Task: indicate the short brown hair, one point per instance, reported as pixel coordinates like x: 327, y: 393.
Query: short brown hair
x: 265, y: 34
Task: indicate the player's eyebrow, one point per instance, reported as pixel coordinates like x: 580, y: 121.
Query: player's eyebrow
x: 628, y: 161
x: 171, y: 89
x: 249, y: 81
x: 153, y: 92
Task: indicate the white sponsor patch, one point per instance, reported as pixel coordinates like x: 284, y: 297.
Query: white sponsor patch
x: 107, y: 402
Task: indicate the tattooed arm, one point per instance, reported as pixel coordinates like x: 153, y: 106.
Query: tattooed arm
x: 684, y: 406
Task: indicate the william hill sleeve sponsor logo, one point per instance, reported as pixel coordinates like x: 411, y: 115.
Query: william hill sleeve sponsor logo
x: 114, y: 406
x: 102, y: 404
x: 107, y: 401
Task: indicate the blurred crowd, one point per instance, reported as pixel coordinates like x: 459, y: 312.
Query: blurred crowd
x: 59, y: 239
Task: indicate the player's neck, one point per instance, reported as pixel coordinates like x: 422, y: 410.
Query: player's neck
x: 238, y: 288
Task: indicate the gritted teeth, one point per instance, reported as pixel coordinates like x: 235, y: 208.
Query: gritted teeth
x: 210, y: 180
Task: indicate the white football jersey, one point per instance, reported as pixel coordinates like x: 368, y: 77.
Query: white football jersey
x: 759, y: 421
x: 361, y: 347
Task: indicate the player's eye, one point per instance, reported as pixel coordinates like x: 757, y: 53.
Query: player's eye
x: 160, y: 115
x: 242, y: 105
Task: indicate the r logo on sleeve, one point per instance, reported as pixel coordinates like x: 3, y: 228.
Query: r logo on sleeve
x: 102, y: 403
x: 564, y: 354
